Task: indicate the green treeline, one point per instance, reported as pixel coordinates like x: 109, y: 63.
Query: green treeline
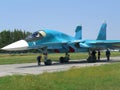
x: 8, y: 36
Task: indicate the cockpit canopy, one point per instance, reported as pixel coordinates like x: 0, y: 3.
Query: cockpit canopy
x: 39, y: 34
x: 36, y: 36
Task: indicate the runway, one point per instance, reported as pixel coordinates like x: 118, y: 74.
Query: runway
x: 33, y: 68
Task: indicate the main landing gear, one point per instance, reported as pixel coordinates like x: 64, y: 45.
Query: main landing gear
x: 61, y: 59
x: 64, y: 59
x: 92, y: 56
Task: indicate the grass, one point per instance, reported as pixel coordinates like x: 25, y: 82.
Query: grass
x: 31, y: 57
x: 17, y: 58
x: 105, y: 77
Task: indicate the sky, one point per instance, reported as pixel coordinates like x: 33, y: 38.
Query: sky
x: 62, y: 15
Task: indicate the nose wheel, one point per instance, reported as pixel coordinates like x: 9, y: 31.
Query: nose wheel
x: 46, y: 60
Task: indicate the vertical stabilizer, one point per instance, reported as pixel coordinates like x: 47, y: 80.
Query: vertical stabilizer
x: 102, y: 32
x: 78, y: 32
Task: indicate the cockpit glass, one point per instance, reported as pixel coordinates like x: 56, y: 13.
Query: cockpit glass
x: 36, y: 35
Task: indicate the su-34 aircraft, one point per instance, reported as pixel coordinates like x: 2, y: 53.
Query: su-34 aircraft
x: 54, y: 41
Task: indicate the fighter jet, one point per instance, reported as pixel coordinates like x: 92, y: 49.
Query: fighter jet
x: 54, y: 41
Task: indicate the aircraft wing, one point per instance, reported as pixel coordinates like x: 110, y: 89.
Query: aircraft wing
x: 101, y: 44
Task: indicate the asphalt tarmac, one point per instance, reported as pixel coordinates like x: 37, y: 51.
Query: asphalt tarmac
x: 33, y: 68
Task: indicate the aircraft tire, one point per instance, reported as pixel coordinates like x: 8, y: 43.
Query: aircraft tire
x: 91, y: 59
x: 66, y: 60
x: 48, y: 62
x: 61, y: 59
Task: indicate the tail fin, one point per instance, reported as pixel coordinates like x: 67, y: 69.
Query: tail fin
x: 102, y: 32
x: 78, y: 32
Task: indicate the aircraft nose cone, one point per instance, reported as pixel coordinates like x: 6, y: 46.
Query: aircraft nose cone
x: 18, y: 45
